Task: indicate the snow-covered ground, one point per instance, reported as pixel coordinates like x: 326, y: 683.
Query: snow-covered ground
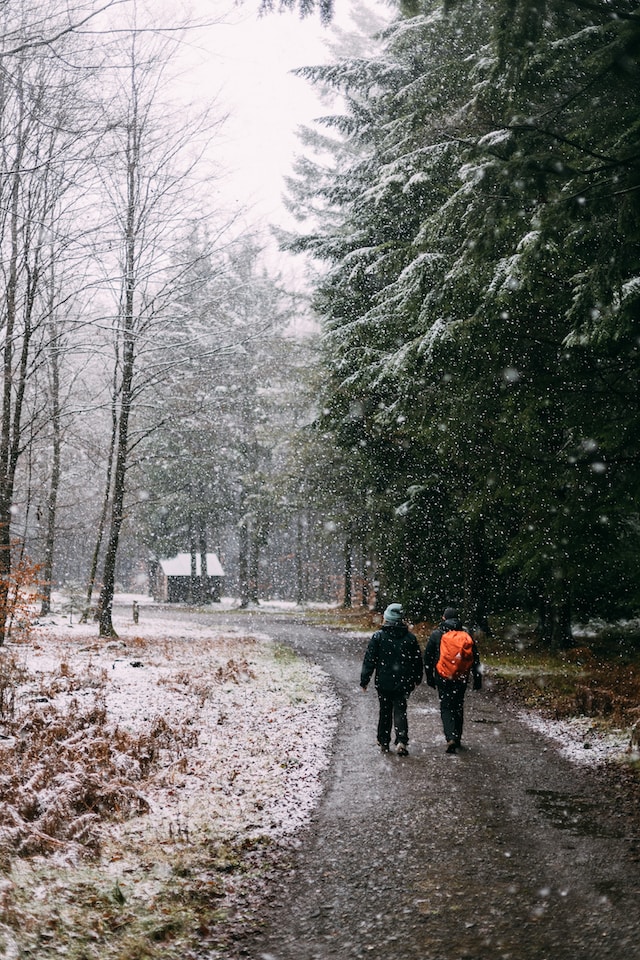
x: 260, y: 720
x: 195, y: 745
x: 168, y: 755
x: 580, y: 739
x: 215, y: 734
x: 246, y: 726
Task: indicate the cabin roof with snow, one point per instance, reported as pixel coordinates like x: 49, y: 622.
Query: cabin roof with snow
x: 180, y: 566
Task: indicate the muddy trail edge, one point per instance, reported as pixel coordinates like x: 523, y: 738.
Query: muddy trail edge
x: 504, y: 850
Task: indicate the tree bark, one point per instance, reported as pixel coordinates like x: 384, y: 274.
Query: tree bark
x: 366, y: 586
x: 102, y: 522
x: 128, y: 365
x: 475, y: 576
x: 205, y: 593
x: 300, y: 590
x: 194, y: 592
x: 105, y: 605
x: 348, y: 570
x: 243, y: 561
x: 11, y: 413
x: 554, y: 617
x: 54, y: 481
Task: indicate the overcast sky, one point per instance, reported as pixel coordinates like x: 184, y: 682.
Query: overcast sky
x: 247, y: 59
x: 251, y: 60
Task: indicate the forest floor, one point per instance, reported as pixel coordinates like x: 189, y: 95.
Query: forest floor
x: 150, y: 786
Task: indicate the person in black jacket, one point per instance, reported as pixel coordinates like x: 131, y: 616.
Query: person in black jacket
x: 451, y: 691
x: 394, y: 655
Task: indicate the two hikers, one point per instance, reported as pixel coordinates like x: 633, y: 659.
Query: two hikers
x: 393, y: 654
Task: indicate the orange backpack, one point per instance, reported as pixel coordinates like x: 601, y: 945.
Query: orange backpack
x: 456, y: 655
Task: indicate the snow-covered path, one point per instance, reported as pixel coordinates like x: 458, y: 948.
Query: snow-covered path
x: 506, y: 850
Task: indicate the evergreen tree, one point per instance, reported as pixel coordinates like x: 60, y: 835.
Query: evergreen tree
x: 479, y: 305
x: 211, y: 474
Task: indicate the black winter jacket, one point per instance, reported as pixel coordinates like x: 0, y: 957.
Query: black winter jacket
x: 432, y: 655
x: 393, y: 653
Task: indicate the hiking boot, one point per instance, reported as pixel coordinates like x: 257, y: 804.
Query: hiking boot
x: 384, y: 747
x: 451, y: 746
x: 402, y: 750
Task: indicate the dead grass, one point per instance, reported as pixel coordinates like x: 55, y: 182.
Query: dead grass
x: 559, y: 687
x: 139, y: 838
x: 63, y: 769
x: 167, y: 903
x: 64, y: 775
x: 599, y: 678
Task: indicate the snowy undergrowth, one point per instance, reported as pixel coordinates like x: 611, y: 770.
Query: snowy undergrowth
x: 581, y: 739
x: 221, y: 738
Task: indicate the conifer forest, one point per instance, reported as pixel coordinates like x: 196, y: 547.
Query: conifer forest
x: 446, y: 411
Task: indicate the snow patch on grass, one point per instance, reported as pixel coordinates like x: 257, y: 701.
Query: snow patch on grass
x: 219, y: 738
x: 262, y: 720
x: 579, y: 739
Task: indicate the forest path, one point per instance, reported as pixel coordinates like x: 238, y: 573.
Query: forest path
x: 505, y: 851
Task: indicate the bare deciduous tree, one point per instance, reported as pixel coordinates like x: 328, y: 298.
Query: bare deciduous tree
x: 38, y: 135
x: 145, y: 178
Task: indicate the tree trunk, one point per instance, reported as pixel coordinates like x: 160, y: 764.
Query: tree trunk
x: 366, y: 586
x: 56, y: 458
x: 105, y: 603
x: 554, y: 617
x: 122, y: 449
x: 205, y: 593
x: 106, y: 500
x: 300, y: 591
x: 348, y: 571
x: 102, y: 522
x: 475, y: 576
x: 254, y: 566
x: 10, y: 415
x: 561, y: 636
x: 126, y: 384
x: 243, y: 561
x: 54, y: 480
x: 194, y: 592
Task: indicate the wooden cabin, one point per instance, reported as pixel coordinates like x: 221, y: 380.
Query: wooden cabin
x: 173, y: 582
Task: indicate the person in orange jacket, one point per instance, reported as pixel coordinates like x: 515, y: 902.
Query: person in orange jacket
x: 450, y: 658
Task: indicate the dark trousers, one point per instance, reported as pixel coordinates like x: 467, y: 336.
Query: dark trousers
x: 393, y: 710
x: 451, y: 694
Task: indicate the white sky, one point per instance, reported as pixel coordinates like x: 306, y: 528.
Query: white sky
x: 249, y: 61
x: 242, y: 64
x: 245, y: 61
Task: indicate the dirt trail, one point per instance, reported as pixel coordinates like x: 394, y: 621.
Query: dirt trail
x: 505, y: 850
